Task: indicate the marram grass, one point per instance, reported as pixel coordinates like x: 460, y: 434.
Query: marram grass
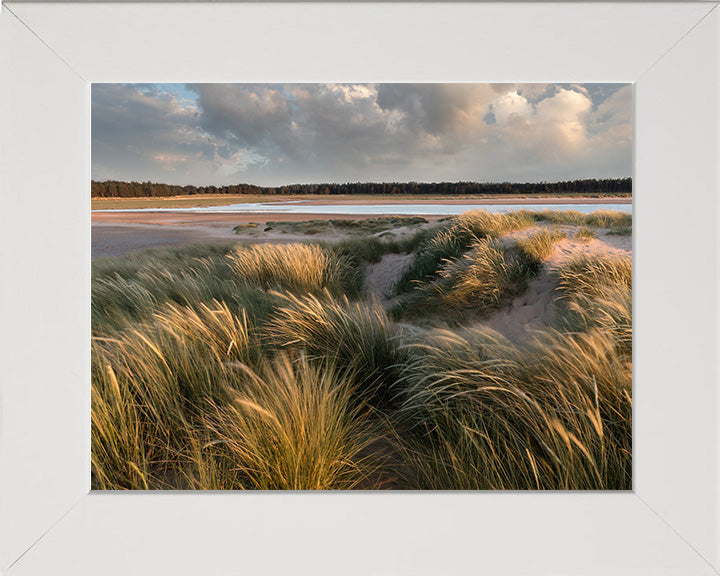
x: 293, y: 426
x: 484, y: 279
x: 555, y: 414
x: 357, y: 336
x: 302, y: 268
x: 241, y: 367
x: 454, y: 237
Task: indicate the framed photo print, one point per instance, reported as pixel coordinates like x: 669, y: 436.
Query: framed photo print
x: 388, y: 289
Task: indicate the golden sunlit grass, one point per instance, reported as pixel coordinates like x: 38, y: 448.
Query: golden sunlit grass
x: 597, y: 292
x: 482, y: 413
x: 293, y: 426
x: 612, y: 219
x: 296, y: 267
x: 485, y: 278
x: 357, y: 336
x: 584, y: 234
x: 537, y: 247
x: 234, y: 367
x: 452, y: 238
x: 594, y: 275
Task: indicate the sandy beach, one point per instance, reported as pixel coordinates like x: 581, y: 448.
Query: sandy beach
x: 115, y: 233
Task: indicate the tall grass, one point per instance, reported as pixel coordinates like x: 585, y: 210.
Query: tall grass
x: 609, y: 219
x: 594, y: 275
x: 486, y: 414
x: 358, y: 337
x: 597, y: 292
x: 293, y: 426
x: 359, y: 250
x: 132, y: 287
x: 612, y: 219
x: 233, y: 367
x: 536, y: 248
x: 177, y: 403
x: 305, y: 268
x: 486, y: 278
x: 454, y: 237
x: 584, y: 234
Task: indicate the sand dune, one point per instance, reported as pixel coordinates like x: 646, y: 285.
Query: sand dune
x: 534, y: 309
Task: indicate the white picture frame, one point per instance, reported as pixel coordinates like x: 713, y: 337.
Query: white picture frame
x: 50, y: 522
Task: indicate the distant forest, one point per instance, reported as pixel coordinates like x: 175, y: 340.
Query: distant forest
x: 117, y: 189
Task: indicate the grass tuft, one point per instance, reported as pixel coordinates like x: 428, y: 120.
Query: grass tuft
x: 584, y: 234
x: 453, y: 237
x: 357, y: 337
x: 292, y: 426
x: 304, y: 268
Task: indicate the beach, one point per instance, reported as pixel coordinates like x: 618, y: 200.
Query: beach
x: 118, y: 232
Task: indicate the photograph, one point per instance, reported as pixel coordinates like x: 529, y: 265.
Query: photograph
x: 362, y: 286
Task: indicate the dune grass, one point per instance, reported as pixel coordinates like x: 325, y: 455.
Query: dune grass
x: 584, y: 234
x: 597, y: 293
x: 621, y: 231
x: 453, y: 237
x: 536, y: 248
x: 487, y: 277
x: 612, y: 219
x: 358, y: 337
x: 363, y: 226
x: 595, y: 275
x: 293, y: 426
x: 484, y: 279
x: 262, y: 367
x: 481, y: 413
x: 296, y: 267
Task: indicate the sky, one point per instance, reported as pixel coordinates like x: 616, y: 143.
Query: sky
x: 270, y: 135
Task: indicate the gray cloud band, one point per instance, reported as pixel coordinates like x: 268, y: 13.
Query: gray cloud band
x: 280, y: 134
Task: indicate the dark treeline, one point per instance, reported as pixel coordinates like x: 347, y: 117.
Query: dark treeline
x: 116, y: 189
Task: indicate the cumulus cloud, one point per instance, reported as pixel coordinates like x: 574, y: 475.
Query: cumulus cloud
x: 510, y: 105
x: 276, y: 134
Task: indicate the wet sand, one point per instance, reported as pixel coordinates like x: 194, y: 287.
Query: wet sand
x: 116, y: 233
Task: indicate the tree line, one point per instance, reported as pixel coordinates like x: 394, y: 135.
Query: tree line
x: 612, y: 186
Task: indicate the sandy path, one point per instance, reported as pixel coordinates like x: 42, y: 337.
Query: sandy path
x: 382, y: 276
x: 534, y: 309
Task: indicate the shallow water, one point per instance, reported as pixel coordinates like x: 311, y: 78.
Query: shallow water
x: 300, y: 207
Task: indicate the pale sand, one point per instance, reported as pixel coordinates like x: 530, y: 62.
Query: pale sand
x: 380, y: 278
x: 534, y: 310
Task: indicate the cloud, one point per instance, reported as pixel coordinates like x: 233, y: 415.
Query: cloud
x: 276, y: 134
x: 246, y: 112
x: 510, y: 105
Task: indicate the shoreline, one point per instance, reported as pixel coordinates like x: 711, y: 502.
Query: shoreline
x: 118, y: 232
x: 484, y: 201
x: 170, y: 216
x: 204, y: 201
